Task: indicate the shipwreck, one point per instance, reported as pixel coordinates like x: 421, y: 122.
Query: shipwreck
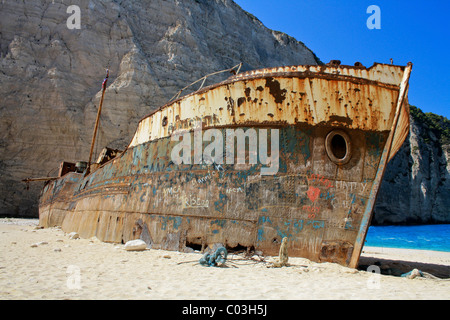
x: 294, y: 152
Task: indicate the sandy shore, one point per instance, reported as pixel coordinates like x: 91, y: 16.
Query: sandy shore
x: 46, y: 264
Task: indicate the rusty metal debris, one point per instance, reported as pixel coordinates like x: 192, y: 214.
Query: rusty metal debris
x: 338, y: 128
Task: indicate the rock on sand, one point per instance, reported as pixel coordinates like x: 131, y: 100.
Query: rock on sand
x: 135, y: 245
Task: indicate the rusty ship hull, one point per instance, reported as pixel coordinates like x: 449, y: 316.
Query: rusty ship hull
x: 338, y: 128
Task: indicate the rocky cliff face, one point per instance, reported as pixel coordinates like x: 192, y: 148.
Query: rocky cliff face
x: 416, y: 185
x: 50, y: 75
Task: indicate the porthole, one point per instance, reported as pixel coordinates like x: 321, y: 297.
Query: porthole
x: 338, y: 147
x: 164, y: 121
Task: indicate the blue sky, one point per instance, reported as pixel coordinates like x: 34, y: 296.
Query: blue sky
x: 416, y: 31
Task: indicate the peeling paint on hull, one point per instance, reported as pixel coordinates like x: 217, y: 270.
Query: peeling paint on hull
x: 320, y: 205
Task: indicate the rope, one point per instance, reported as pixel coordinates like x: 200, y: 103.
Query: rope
x: 217, y: 259
x: 177, y: 95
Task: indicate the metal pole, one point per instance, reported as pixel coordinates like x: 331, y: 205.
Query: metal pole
x: 97, y: 121
x: 380, y: 172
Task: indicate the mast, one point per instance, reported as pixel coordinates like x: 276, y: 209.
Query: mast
x: 97, y: 121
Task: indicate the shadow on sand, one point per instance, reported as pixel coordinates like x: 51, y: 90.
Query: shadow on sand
x: 399, y: 267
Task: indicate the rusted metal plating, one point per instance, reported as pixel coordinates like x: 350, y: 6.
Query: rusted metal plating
x: 338, y: 127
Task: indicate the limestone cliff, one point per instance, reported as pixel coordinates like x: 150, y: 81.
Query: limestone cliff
x: 416, y: 186
x: 50, y: 75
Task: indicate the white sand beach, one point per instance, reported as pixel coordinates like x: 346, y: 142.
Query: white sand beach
x: 46, y: 264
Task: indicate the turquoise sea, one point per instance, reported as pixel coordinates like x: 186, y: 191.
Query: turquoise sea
x: 427, y: 237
